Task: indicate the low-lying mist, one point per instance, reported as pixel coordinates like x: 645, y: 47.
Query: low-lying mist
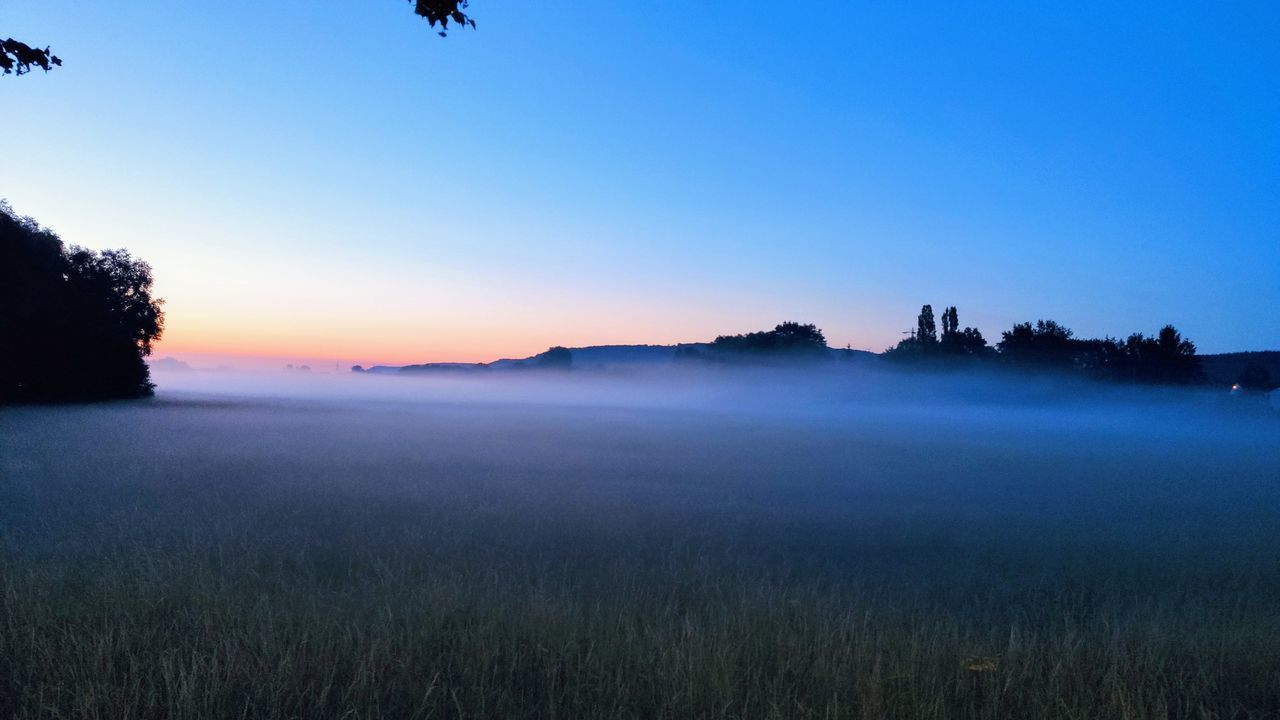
x: 973, y: 406
x: 668, y: 542
x: 810, y: 431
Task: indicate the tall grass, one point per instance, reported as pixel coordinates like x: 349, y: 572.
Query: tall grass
x: 162, y: 561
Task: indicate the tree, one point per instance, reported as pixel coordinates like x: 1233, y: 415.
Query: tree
x: 442, y: 11
x: 1044, y: 344
x: 789, y: 338
x: 955, y: 341
x: 797, y: 335
x: 74, y: 324
x: 1102, y: 359
x: 950, y: 322
x: 1166, y: 358
x: 926, y: 329
x: 19, y: 57
x: 970, y: 342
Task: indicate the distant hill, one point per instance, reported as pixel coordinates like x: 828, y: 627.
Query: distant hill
x: 442, y: 367
x: 593, y: 357
x: 1225, y: 368
x: 599, y: 356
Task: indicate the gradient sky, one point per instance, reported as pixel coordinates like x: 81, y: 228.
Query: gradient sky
x: 330, y: 180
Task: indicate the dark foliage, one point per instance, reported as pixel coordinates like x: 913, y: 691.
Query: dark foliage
x: 74, y: 324
x: 955, y: 344
x: 440, y: 12
x: 926, y: 328
x: 1106, y: 358
x: 19, y: 57
x: 1255, y: 378
x: 950, y: 321
x: 1167, y: 358
x: 1224, y: 369
x: 790, y: 338
x: 966, y: 342
x: 1045, y: 344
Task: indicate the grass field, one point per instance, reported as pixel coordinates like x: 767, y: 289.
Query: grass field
x: 226, y: 555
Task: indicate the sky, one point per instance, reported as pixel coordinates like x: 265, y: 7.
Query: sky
x: 332, y: 182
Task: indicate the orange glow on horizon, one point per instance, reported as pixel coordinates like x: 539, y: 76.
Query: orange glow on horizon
x: 386, y: 321
x: 388, y: 350
x: 391, y: 349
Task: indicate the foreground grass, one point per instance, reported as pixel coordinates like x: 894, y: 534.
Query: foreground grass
x: 331, y: 572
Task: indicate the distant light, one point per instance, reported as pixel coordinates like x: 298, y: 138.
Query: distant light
x: 1235, y: 387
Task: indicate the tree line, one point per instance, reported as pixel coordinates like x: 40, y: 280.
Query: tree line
x: 1164, y: 358
x: 787, y: 341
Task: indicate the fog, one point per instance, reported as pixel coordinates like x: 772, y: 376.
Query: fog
x: 1013, y: 441
x: 1048, y: 468
x: 670, y: 530
x: 971, y: 407
x: 975, y: 443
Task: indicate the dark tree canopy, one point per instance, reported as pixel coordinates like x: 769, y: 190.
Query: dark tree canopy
x: 1166, y: 358
x: 788, y: 337
x: 950, y: 322
x: 74, y: 324
x: 440, y: 12
x: 1045, y: 343
x: 926, y: 328
x: 955, y: 344
x: 19, y: 57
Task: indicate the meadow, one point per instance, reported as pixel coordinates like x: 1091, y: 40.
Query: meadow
x: 615, y: 547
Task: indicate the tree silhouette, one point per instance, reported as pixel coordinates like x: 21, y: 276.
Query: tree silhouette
x: 950, y: 322
x: 1103, y: 359
x: 74, y: 324
x: 926, y: 329
x: 1165, y: 358
x: 441, y: 12
x: 924, y: 343
x: 966, y: 342
x: 19, y: 57
x: 788, y: 338
x: 1045, y: 344
x: 794, y: 334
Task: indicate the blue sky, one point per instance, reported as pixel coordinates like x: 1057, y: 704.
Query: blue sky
x: 330, y: 179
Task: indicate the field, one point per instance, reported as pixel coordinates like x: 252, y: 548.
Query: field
x: 742, y: 547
